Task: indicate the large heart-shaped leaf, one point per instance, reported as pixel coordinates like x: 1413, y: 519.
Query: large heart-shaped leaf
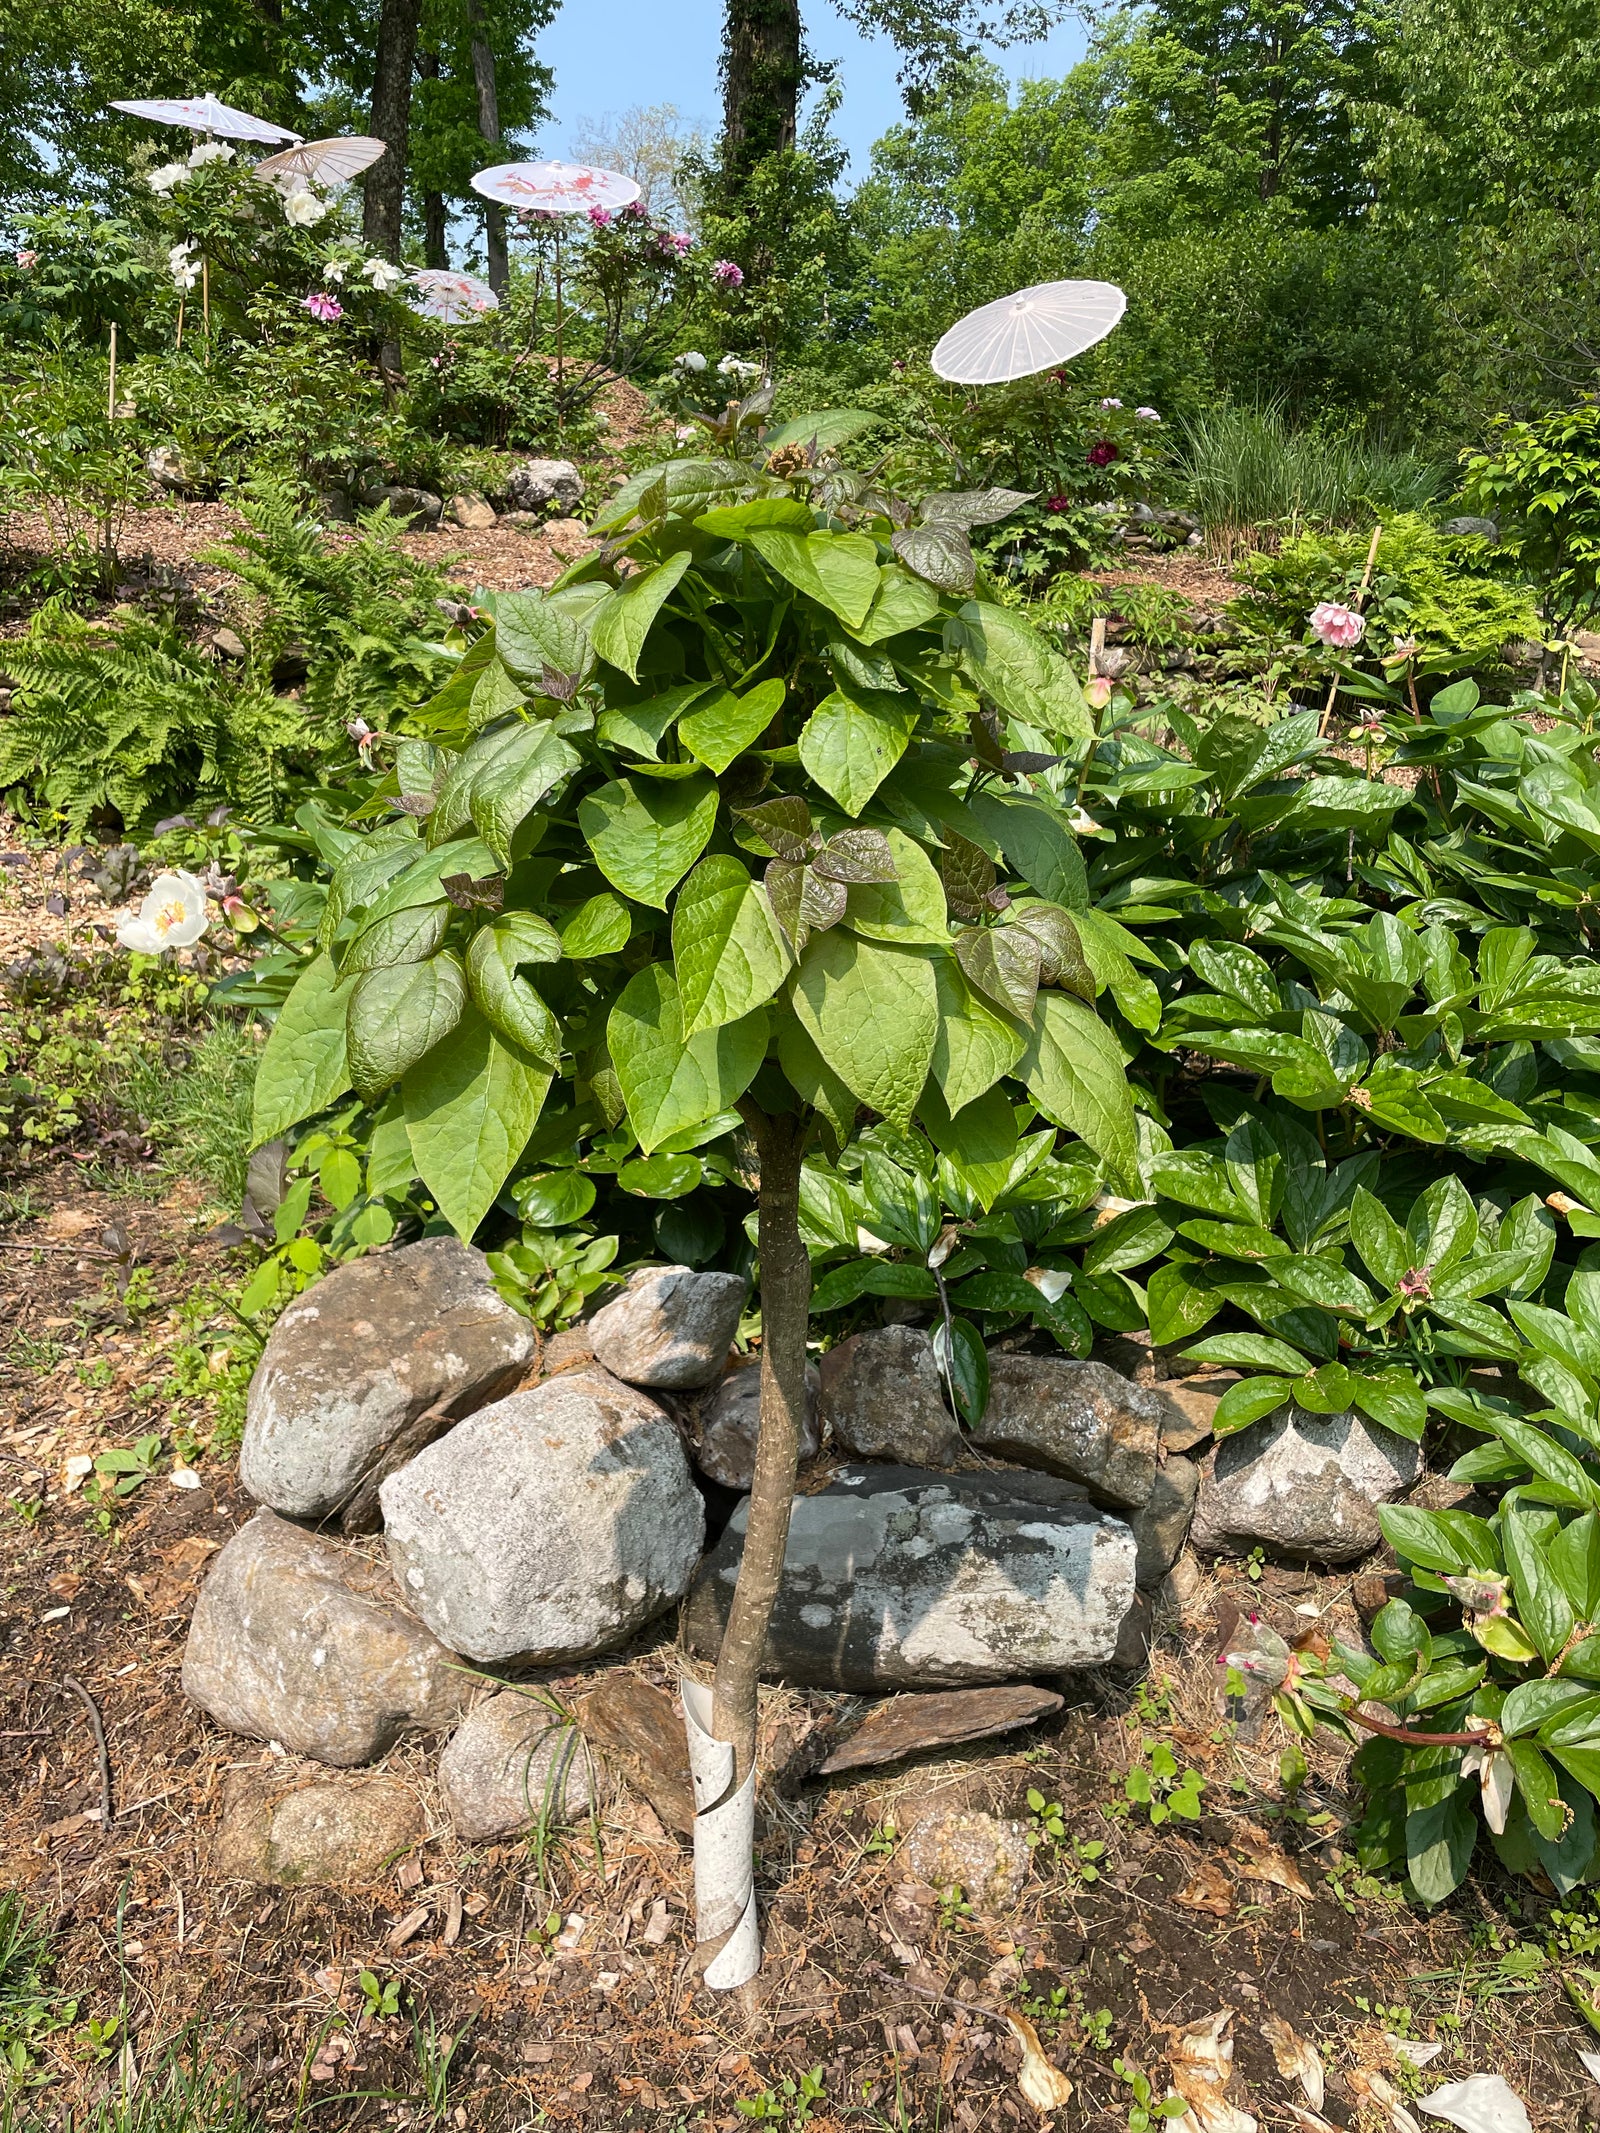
x: 670, y: 1083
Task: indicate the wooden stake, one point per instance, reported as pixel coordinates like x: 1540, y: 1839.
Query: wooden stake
x: 1361, y: 596
x: 180, y: 318
x: 111, y: 387
x: 205, y: 298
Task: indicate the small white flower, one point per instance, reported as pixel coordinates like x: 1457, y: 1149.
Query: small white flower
x: 178, y: 254
x: 383, y: 275
x: 1083, y: 824
x: 184, y: 278
x: 209, y: 152
x: 1492, y: 1767
x: 738, y: 367
x: 1111, y: 403
x: 335, y: 270
x: 173, y: 915
x: 169, y: 175
x: 1052, y: 1286
x: 691, y: 359
x: 302, y: 208
x: 686, y: 433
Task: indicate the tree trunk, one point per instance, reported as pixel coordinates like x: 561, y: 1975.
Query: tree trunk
x: 762, y: 71
x: 435, y: 249
x: 722, y: 1726
x: 494, y: 216
x: 382, y: 214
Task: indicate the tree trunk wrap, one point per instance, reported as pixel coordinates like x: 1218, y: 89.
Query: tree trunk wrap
x: 727, y: 1929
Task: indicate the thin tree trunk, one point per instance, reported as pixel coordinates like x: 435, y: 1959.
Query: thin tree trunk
x: 435, y: 251
x: 494, y: 216
x: 785, y: 1306
x: 762, y: 71
x: 383, y: 212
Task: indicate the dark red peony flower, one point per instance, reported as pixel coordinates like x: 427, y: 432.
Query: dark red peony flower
x: 1102, y: 454
x: 1058, y: 503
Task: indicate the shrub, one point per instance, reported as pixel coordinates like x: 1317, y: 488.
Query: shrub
x: 1543, y: 479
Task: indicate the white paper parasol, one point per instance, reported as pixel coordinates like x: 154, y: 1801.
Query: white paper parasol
x: 332, y: 162
x: 204, y: 114
x: 555, y: 188
x: 452, y: 296
x: 1027, y: 332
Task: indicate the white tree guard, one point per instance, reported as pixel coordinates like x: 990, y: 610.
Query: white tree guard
x: 724, y: 1850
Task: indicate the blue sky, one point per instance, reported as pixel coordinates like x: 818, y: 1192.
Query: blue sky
x: 611, y: 54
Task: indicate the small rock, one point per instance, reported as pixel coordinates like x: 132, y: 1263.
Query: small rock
x: 732, y: 1422
x: 1161, y: 1524
x: 669, y: 1327
x: 168, y: 469
x: 333, y: 506
x: 1133, y: 1638
x: 1303, y: 1484
x: 408, y: 507
x: 374, y: 1351
x: 1484, y: 529
x: 883, y: 1398
x: 1183, y: 1589
x: 642, y: 1736
x: 906, y: 1725
x: 472, y: 511
x: 539, y: 482
x: 1077, y: 1419
x: 228, y: 644
x: 336, y: 1833
x: 293, y: 1641
x: 549, y: 1526
x: 1194, y: 1402
x: 570, y: 1350
x: 567, y: 534
x: 511, y: 1765
x: 1372, y: 1593
x: 895, y: 1577
x: 982, y: 1856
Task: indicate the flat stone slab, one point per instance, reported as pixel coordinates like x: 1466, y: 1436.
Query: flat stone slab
x: 639, y: 1733
x: 905, y: 1725
x: 898, y: 1578
x: 1081, y: 1420
x: 333, y: 1833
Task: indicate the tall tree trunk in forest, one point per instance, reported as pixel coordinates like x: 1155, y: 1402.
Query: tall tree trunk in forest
x: 382, y: 213
x: 494, y: 216
x: 435, y: 252
x: 762, y: 72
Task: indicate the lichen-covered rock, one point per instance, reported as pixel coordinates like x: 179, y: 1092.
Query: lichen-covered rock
x: 295, y: 1639
x: 538, y: 482
x: 512, y: 1764
x: 670, y: 1327
x: 1303, y: 1485
x: 895, y: 1577
x: 549, y: 1526
x: 883, y: 1398
x: 1079, y: 1420
x: 731, y: 1423
x: 334, y: 1833
x: 361, y: 1358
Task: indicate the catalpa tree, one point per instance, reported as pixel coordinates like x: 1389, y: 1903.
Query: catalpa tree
x: 762, y: 814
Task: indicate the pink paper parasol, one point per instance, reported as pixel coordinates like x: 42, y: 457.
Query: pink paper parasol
x: 452, y: 296
x: 332, y: 162
x: 555, y: 188
x: 204, y: 114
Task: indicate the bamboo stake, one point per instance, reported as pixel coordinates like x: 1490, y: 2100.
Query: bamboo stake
x: 180, y: 319
x: 205, y: 300
x: 1361, y: 597
x: 111, y: 386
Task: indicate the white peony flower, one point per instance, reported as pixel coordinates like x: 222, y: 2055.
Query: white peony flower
x: 691, y: 359
x: 173, y: 915
x: 169, y: 175
x: 383, y: 275
x: 184, y: 277
x: 686, y: 433
x: 335, y: 270
x: 303, y: 208
x: 739, y: 368
x: 209, y: 152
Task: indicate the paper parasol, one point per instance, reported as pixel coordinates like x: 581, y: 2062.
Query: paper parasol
x: 1027, y: 332
x: 555, y: 188
x: 452, y: 296
x: 324, y: 162
x: 204, y: 114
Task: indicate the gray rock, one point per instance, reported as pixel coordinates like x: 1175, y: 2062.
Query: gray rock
x: 512, y: 1764
x: 228, y: 644
x: 472, y: 511
x: 1161, y: 1524
x: 1484, y: 528
x: 355, y: 1363
x: 538, y: 482
x: 731, y: 1424
x: 1077, y: 1419
x: 408, y: 507
x: 548, y: 1527
x: 335, y: 1833
x: 883, y: 1398
x: 296, y: 1639
x: 981, y: 1855
x: 1303, y: 1485
x: 1194, y: 1402
x: 669, y: 1327
x: 898, y: 1578
x: 168, y: 469
x: 1133, y: 1639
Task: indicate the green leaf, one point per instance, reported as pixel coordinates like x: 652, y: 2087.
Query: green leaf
x: 1383, y: 1245
x: 832, y: 426
x: 471, y: 1103
x: 1543, y: 1608
x: 837, y: 570
x: 810, y: 1075
x: 556, y: 1200
x: 507, y: 790
x: 510, y: 1003
x: 853, y: 740
x: 1394, y: 1398
x: 1014, y: 666
x: 909, y: 908
x: 872, y: 1012
x: 645, y: 838
x: 303, y: 1066
x: 727, y: 725
x: 621, y: 622
x: 661, y: 1177
x: 940, y: 553
x: 1250, y: 1351
x: 1325, y: 1282
x: 1532, y: 1704
x: 532, y: 633
x: 1076, y: 1074
x: 975, y: 1046
x: 1036, y: 841
x: 1444, y: 1541
x: 736, y: 522
x: 1002, y: 962
x: 602, y: 926
x: 1439, y: 1842
x: 728, y: 952
x: 843, y: 1285
x: 409, y: 936
x: 964, y: 1364
x: 1249, y: 1400
x: 902, y: 603
x: 1536, y: 1782
x: 667, y: 1083
x: 398, y: 1014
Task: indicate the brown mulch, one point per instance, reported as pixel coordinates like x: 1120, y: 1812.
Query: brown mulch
x: 1185, y: 570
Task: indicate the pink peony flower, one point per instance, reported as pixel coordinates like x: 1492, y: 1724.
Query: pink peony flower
x: 1338, y: 627
x: 1111, y: 403
x: 601, y: 217
x: 636, y: 210
x: 1102, y: 454
x: 1147, y: 414
x: 27, y: 261
x: 727, y: 275
x: 323, y: 306
x: 677, y: 241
